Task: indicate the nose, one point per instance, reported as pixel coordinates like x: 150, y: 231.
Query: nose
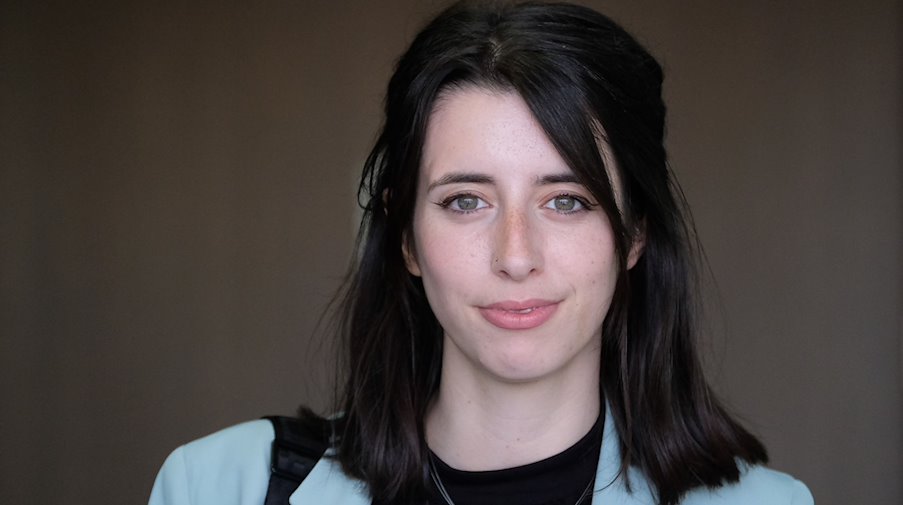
x: 517, y: 249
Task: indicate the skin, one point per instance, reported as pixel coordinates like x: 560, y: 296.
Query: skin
x: 501, y: 224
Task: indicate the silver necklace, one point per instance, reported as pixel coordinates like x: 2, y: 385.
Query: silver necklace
x: 443, y: 493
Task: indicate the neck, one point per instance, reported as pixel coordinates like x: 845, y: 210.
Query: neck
x: 478, y: 423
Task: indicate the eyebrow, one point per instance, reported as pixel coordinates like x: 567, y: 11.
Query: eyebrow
x: 568, y: 177
x: 475, y: 178
x: 460, y: 177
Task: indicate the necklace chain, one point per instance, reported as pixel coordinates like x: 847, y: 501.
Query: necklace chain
x: 443, y: 493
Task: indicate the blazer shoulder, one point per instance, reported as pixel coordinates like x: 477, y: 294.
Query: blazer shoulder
x: 757, y: 485
x: 229, y: 467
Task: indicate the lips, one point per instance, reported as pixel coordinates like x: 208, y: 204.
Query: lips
x: 519, y: 315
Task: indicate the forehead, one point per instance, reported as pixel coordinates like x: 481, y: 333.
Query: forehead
x: 478, y: 128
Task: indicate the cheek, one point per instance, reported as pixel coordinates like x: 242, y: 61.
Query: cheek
x: 592, y: 263
x: 440, y: 238
x: 450, y: 263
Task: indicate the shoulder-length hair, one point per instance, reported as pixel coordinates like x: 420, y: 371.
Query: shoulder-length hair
x: 587, y: 82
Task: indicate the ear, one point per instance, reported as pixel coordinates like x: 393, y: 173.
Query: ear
x: 410, y: 257
x: 638, y: 245
x: 407, y: 249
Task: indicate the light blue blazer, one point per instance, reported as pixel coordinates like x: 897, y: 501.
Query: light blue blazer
x: 232, y: 467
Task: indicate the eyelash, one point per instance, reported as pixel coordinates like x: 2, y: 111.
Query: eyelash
x: 584, y: 203
x: 447, y: 203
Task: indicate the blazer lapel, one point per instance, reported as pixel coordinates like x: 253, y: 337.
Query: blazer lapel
x: 611, y: 487
x: 327, y: 483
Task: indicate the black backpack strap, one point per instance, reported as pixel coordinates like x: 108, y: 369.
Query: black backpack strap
x: 294, y: 454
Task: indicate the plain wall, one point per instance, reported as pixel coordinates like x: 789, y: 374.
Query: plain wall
x: 176, y: 210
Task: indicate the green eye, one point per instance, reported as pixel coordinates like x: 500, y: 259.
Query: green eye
x: 467, y: 203
x: 463, y: 203
x: 566, y: 204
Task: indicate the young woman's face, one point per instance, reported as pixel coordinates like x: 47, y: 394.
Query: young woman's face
x: 517, y: 260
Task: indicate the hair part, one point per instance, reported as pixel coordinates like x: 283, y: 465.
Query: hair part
x: 588, y: 83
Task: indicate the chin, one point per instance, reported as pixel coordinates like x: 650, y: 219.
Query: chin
x: 522, y: 367
x: 526, y: 363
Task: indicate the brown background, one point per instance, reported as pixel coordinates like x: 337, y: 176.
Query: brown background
x: 176, y: 209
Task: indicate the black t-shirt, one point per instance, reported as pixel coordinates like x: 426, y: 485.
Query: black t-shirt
x: 558, y: 480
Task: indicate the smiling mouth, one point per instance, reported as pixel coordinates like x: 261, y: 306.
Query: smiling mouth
x: 513, y: 315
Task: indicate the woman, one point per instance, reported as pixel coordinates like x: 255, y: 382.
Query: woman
x: 520, y: 324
